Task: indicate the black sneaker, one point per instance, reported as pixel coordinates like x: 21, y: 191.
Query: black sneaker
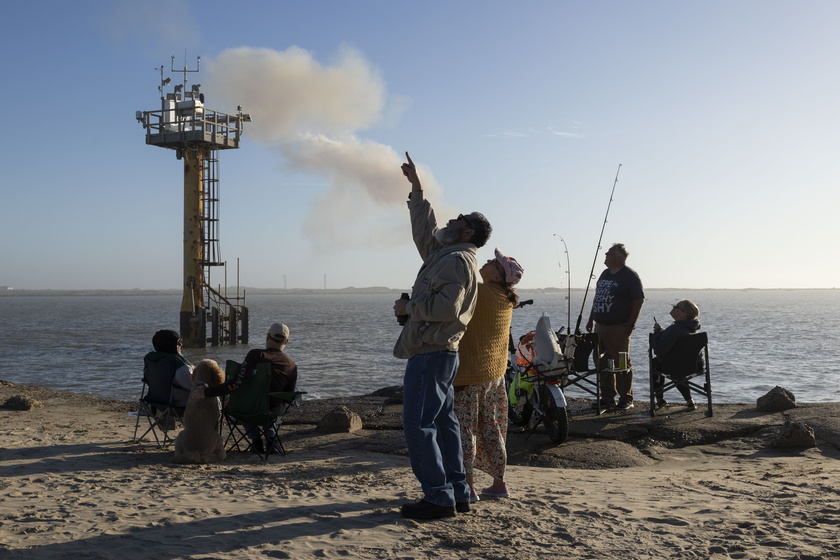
x: 624, y: 405
x: 462, y: 507
x: 274, y: 446
x: 690, y: 404
x: 421, y: 509
x: 661, y: 403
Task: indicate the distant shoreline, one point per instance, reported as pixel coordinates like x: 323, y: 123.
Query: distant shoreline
x: 178, y: 291
x: 11, y: 292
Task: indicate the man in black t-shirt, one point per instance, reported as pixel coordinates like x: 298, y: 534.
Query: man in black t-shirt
x: 615, y: 309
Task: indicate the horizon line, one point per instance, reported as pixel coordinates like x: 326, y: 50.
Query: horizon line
x: 9, y: 291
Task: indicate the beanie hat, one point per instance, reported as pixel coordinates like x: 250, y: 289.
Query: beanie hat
x: 166, y: 341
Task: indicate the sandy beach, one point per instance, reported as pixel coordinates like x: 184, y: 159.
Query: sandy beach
x: 74, y: 486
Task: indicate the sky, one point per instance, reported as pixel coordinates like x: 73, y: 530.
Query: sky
x: 722, y: 115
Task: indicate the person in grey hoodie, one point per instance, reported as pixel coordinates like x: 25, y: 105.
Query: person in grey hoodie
x: 435, y: 318
x: 685, y: 314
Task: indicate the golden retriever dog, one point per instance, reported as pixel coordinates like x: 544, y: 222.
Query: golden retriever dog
x: 200, y: 442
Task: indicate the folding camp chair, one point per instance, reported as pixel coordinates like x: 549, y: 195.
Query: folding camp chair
x: 582, y: 370
x: 248, y: 407
x: 156, y: 403
x: 686, y: 364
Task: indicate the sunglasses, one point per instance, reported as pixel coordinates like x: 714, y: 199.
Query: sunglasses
x: 466, y: 221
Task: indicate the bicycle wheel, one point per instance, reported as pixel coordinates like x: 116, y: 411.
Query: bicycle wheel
x: 520, y: 414
x: 556, y: 419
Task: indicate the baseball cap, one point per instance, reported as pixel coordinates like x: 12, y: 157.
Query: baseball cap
x: 279, y: 332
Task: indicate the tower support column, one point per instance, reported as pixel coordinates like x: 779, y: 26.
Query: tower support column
x: 193, y: 313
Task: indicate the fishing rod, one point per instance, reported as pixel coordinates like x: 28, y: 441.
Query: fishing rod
x: 568, y: 284
x: 597, y: 251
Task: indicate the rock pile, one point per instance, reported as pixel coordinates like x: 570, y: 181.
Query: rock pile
x: 776, y: 400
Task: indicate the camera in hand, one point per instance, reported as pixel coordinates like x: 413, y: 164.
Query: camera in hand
x: 403, y: 319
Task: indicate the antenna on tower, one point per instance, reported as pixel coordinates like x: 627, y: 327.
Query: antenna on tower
x: 163, y: 83
x: 185, y: 70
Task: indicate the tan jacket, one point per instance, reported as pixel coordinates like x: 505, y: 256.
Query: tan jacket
x: 444, y: 293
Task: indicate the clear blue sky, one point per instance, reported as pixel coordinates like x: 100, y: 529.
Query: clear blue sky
x: 723, y: 114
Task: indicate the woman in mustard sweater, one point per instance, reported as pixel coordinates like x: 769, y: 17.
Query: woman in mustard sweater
x: 481, y: 401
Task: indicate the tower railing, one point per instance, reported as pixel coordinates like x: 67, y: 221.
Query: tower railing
x: 228, y: 317
x: 173, y: 128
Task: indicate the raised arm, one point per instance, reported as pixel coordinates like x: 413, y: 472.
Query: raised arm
x: 410, y: 173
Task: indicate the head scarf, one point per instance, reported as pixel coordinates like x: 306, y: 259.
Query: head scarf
x: 513, y: 270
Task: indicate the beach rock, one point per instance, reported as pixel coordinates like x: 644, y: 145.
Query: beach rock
x: 21, y: 402
x: 776, y: 400
x: 796, y: 434
x: 393, y: 395
x: 585, y: 454
x: 340, y: 420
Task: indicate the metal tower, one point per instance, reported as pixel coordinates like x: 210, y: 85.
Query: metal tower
x: 197, y: 133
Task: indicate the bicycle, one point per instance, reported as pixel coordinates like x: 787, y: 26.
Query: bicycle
x: 535, y: 385
x: 518, y: 414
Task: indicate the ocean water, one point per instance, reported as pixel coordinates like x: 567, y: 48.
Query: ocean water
x: 343, y: 342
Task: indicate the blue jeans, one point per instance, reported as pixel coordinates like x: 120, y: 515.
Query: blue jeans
x: 431, y: 428
x: 268, y: 429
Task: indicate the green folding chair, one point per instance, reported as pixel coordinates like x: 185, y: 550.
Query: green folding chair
x: 249, y: 407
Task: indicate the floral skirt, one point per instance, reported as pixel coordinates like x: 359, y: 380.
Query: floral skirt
x: 482, y: 411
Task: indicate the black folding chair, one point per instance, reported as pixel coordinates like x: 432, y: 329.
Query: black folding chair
x: 583, y: 373
x: 686, y: 364
x: 156, y: 402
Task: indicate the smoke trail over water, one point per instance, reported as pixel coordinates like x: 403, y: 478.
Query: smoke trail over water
x: 311, y: 113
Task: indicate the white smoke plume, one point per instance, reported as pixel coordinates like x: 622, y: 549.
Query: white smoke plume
x: 312, y: 113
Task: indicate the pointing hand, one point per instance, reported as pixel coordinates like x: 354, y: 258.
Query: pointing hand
x: 410, y: 171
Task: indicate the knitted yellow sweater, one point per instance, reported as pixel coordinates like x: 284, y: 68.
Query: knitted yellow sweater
x: 483, y: 351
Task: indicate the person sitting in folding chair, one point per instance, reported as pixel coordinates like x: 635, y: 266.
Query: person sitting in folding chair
x: 167, y: 383
x: 685, y: 314
x: 167, y: 345
x: 283, y: 379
